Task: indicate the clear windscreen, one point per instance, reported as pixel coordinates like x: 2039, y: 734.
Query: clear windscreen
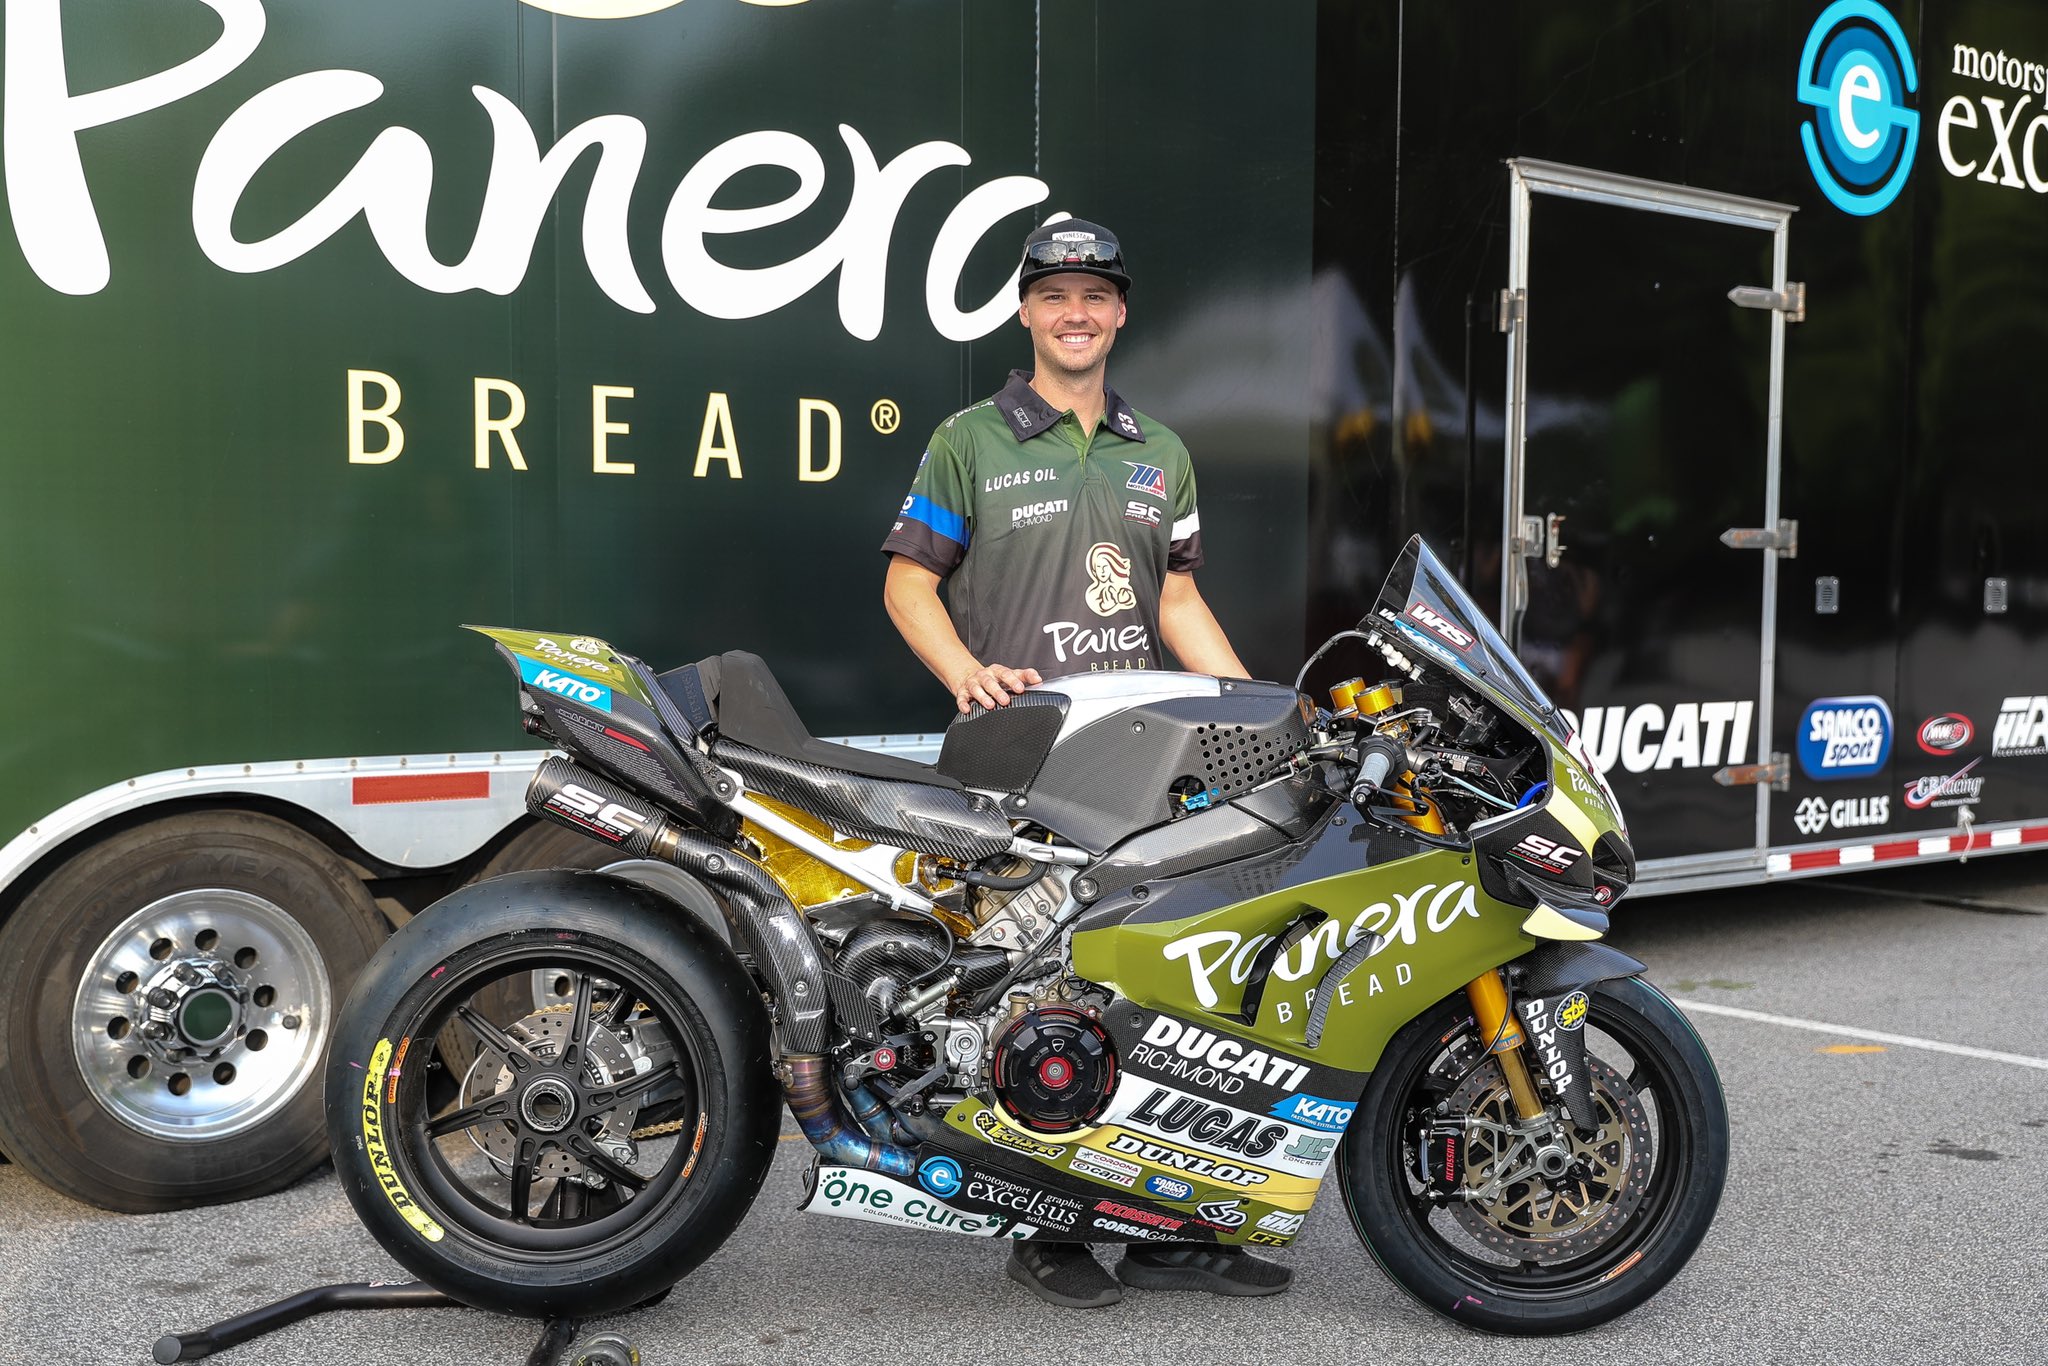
x: 1423, y: 605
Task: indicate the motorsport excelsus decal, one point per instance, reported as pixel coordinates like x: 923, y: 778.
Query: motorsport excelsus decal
x: 390, y: 184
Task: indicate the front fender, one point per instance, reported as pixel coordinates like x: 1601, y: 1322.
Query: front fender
x: 1548, y: 979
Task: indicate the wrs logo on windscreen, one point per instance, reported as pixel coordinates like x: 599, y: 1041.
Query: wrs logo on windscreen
x: 1855, y: 73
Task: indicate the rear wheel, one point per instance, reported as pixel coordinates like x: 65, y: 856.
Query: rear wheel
x: 1513, y: 1251
x: 175, y: 989
x: 564, y: 1159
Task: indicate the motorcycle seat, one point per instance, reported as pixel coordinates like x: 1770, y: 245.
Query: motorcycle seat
x: 748, y: 706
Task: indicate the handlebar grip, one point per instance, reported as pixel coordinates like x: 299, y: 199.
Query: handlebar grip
x: 1380, y: 758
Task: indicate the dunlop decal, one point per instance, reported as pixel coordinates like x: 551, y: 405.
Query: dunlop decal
x: 380, y: 1159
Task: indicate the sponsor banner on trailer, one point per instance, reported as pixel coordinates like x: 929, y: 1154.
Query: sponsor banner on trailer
x: 2021, y: 729
x: 851, y: 1193
x: 1815, y: 814
x: 1960, y: 788
x: 1945, y: 734
x: 1844, y: 737
x: 1651, y: 738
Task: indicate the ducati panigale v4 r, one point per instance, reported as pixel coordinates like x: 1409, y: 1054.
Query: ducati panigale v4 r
x: 1144, y: 956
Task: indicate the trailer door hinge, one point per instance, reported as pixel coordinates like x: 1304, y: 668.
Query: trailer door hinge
x: 1514, y: 306
x: 1790, y: 301
x: 1783, y: 539
x: 1776, y: 775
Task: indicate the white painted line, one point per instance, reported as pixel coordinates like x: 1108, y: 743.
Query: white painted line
x: 2004, y: 839
x: 1902, y: 1040
x: 1859, y: 853
x: 1937, y: 845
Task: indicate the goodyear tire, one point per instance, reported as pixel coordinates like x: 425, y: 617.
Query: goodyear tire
x: 1539, y: 1259
x: 517, y: 1175
x: 174, y: 990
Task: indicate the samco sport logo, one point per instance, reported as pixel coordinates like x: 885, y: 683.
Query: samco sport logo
x: 1212, y: 953
x: 1109, y: 580
x: 1844, y: 737
x: 1856, y: 72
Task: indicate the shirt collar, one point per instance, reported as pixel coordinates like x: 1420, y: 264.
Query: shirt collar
x: 1027, y: 414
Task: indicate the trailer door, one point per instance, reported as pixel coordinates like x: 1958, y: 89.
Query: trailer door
x: 1643, y: 428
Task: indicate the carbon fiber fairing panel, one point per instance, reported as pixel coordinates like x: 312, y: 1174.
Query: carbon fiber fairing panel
x: 931, y: 820
x: 1117, y: 776
x: 1001, y: 748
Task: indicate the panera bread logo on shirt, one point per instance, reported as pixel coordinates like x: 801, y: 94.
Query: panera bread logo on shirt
x: 1109, y: 580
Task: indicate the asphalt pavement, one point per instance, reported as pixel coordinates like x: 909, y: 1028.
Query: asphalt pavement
x: 1885, y: 1201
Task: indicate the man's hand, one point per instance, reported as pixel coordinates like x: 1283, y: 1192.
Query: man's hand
x: 991, y: 685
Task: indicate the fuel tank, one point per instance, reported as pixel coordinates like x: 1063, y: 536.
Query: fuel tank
x: 1095, y: 758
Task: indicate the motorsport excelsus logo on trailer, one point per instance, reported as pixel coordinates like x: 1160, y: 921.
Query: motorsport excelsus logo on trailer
x: 1856, y: 72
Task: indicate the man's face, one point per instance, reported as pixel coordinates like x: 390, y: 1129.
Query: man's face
x: 1073, y: 320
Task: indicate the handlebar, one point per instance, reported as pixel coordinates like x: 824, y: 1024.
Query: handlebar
x: 1379, y: 758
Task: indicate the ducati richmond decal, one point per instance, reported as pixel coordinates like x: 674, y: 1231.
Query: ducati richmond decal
x: 1214, y: 1062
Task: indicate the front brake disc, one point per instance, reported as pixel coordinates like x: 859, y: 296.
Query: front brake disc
x: 1533, y: 1219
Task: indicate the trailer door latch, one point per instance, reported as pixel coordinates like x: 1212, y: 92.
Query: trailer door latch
x: 1783, y: 538
x: 1790, y: 301
x: 1776, y: 775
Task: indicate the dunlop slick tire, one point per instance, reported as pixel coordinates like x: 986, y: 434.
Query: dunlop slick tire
x: 535, y: 917
x: 1678, y: 1212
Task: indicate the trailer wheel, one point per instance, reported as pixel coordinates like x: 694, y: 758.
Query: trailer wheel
x: 176, y: 987
x: 547, y: 845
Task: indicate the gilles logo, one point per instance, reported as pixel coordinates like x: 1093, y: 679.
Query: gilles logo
x: 1856, y: 73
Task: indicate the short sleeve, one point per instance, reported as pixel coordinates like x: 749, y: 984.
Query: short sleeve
x: 933, y: 525
x: 1184, y: 553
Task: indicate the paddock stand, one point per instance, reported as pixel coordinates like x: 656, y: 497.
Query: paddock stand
x: 602, y: 1349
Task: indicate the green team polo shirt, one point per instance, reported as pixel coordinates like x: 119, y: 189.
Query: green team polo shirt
x: 1054, y: 542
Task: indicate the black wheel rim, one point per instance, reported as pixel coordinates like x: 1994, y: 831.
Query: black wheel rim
x: 1643, y: 1062
x: 545, y: 1119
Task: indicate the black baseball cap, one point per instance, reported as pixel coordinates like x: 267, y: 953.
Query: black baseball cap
x: 1072, y: 246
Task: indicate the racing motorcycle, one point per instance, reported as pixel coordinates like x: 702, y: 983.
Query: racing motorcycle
x: 1143, y: 956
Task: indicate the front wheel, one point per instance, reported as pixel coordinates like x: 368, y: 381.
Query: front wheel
x: 567, y: 1159
x: 1493, y: 1243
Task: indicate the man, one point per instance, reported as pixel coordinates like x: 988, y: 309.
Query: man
x: 1065, y: 521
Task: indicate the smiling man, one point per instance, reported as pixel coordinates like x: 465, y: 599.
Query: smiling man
x: 1061, y: 519
x: 1065, y: 521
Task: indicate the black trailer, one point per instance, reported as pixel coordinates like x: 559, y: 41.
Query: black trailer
x: 1711, y: 339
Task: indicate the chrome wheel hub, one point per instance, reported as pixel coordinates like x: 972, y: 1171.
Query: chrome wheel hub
x: 201, y: 1014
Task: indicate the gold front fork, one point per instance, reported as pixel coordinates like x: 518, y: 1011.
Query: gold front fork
x: 1488, y: 994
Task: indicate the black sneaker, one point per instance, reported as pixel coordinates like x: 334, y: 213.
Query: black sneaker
x: 1065, y: 1274
x: 1201, y: 1266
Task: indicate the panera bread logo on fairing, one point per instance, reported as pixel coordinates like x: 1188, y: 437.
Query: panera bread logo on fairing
x: 390, y: 185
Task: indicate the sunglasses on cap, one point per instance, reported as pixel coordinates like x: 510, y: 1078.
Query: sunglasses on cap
x: 1091, y: 252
